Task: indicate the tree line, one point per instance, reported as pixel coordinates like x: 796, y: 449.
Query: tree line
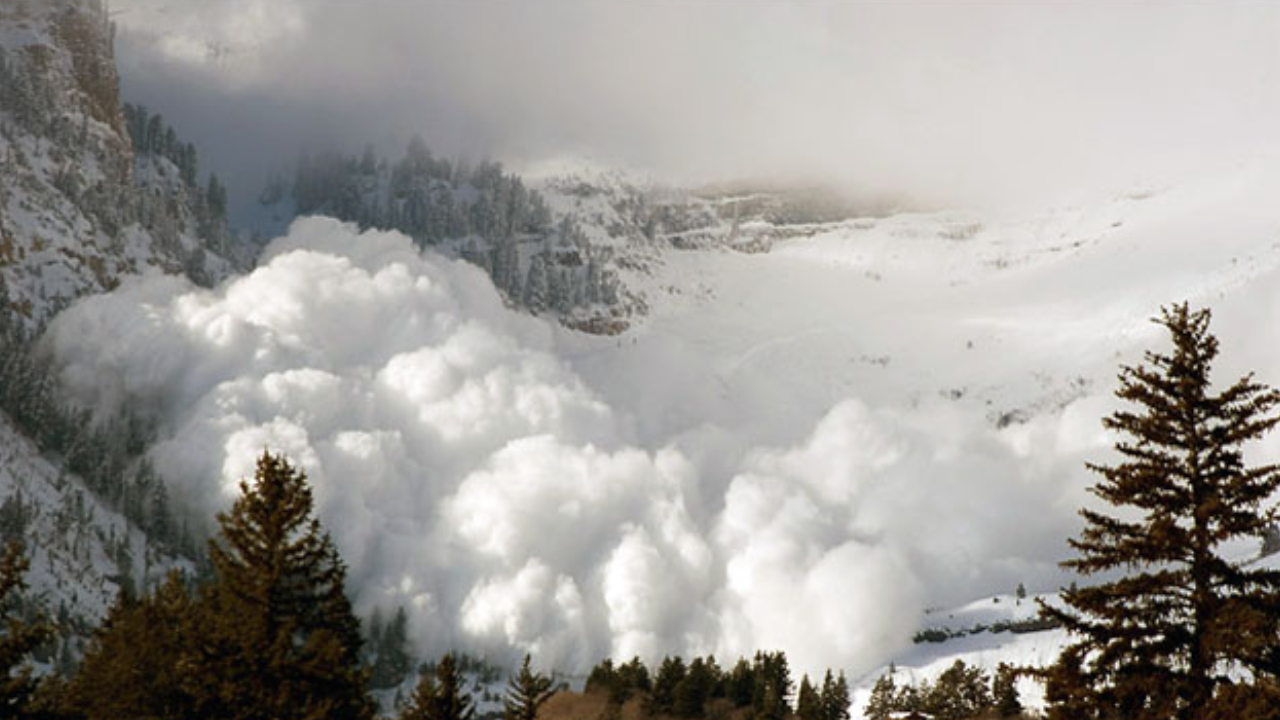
x: 961, y: 691
x: 762, y: 686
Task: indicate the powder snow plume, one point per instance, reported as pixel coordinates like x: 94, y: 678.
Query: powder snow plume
x: 468, y: 473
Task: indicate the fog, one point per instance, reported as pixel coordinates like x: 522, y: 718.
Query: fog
x: 950, y: 103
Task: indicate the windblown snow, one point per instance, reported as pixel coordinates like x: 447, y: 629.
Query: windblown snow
x: 801, y: 449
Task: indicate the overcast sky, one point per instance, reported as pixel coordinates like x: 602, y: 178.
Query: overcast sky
x: 951, y: 101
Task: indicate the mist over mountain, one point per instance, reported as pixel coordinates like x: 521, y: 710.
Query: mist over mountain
x: 950, y: 105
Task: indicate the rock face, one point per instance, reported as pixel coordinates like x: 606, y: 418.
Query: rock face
x: 79, y: 207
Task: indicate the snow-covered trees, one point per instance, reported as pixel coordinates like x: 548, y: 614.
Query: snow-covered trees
x: 482, y: 213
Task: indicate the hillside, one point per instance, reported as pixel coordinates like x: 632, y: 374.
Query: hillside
x: 79, y: 209
x: 92, y: 192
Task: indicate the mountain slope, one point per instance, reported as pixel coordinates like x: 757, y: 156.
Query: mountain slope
x: 78, y: 209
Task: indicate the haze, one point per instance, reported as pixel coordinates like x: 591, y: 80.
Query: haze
x: 950, y: 103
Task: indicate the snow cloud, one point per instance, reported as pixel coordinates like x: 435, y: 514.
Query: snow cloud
x: 952, y: 102
x: 470, y: 475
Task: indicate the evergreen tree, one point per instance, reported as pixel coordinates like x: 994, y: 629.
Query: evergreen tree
x: 133, y: 666
x: 526, y: 693
x: 537, y: 296
x: 663, y: 697
x: 1156, y: 642
x: 634, y: 677
x: 392, y: 646
x: 740, y: 684
x: 602, y: 678
x: 960, y: 692
x: 19, y: 639
x: 835, y: 697
x: 772, y: 691
x: 808, y: 706
x: 694, y: 691
x: 277, y: 635
x: 884, y: 698
x: 1004, y: 692
x: 440, y: 696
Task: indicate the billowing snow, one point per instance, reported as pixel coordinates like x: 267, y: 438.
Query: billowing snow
x: 802, y: 449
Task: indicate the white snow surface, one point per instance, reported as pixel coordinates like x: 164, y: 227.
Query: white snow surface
x: 73, y: 540
x: 801, y: 449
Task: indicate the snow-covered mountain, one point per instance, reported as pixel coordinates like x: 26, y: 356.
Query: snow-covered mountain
x: 90, y: 195
x: 79, y: 208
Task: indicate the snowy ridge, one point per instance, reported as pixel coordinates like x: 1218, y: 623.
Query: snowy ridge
x: 75, y: 215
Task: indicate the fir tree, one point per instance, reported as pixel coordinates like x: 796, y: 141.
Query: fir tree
x: 526, y: 693
x: 807, y: 705
x: 884, y: 698
x: 1004, y: 692
x: 694, y: 691
x: 440, y: 696
x: 1156, y: 642
x: 277, y: 635
x: 19, y: 639
x: 133, y: 668
x: 740, y: 684
x: 770, y: 698
x: 834, y: 697
x: 392, y: 645
x: 670, y: 673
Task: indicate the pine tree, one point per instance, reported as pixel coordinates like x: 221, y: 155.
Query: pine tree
x: 526, y: 693
x: 537, y: 296
x: 960, y: 692
x: 835, y: 697
x: 1155, y: 642
x: 694, y: 691
x: 392, y: 662
x: 440, y: 697
x: 1004, y: 692
x: 277, y: 635
x: 19, y: 638
x: 770, y: 698
x: 884, y: 698
x: 740, y: 684
x: 663, y: 697
x: 133, y: 666
x: 807, y: 705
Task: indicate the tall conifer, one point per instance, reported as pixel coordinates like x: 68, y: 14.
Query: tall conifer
x: 526, y: 692
x: 277, y: 637
x: 440, y: 696
x: 1157, y: 641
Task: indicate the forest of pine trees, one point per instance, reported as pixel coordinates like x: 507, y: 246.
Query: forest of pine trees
x: 762, y: 688
x: 960, y: 692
